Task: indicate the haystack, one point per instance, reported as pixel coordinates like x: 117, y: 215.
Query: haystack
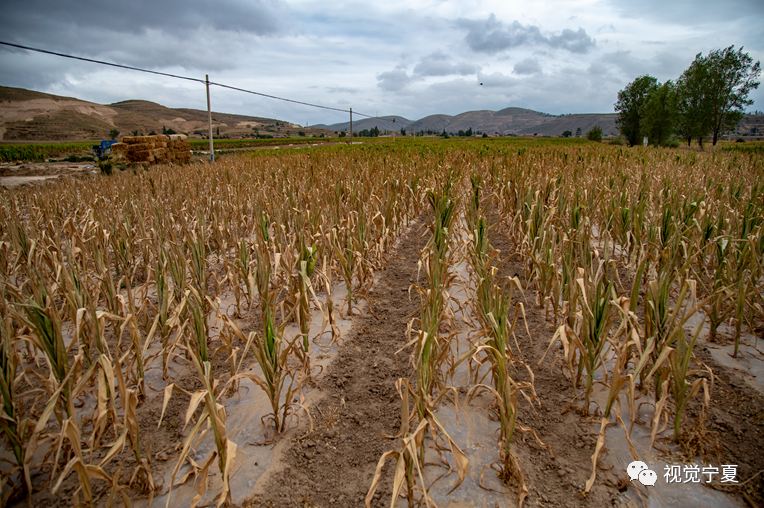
x: 149, y: 150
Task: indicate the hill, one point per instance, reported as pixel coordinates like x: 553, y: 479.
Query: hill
x: 433, y: 123
x: 383, y: 123
x: 27, y: 115
x: 751, y: 125
x: 557, y: 125
x: 505, y: 121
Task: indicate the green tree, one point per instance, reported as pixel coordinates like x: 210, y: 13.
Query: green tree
x: 594, y: 134
x: 629, y: 107
x: 403, y: 131
x: 469, y: 132
x: 113, y: 134
x: 567, y: 134
x: 659, y: 114
x: 730, y: 77
x: 691, y: 120
x: 578, y: 132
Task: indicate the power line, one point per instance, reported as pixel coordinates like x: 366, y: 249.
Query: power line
x: 221, y: 85
x: 280, y: 98
x: 100, y: 62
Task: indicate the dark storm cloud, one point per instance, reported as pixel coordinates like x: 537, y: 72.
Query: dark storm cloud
x: 493, y: 36
x: 16, y: 71
x: 260, y: 17
x: 440, y: 64
x: 193, y: 33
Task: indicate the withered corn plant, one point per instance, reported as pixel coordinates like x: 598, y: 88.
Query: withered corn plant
x: 214, y: 415
x: 408, y: 467
x: 271, y: 350
x: 433, y: 350
x: 492, y: 305
x: 307, y: 264
x: 596, y: 320
x: 15, y: 427
x: 346, y: 256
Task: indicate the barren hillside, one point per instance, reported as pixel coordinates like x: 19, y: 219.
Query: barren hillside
x: 26, y: 115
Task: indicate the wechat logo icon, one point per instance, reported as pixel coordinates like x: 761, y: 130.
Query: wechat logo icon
x: 637, y: 470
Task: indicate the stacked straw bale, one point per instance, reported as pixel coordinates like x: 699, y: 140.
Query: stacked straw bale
x: 149, y: 150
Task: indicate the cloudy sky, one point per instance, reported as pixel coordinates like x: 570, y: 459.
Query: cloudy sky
x: 411, y: 58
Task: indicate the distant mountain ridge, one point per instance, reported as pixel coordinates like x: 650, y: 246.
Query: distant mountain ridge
x: 510, y: 120
x: 383, y: 123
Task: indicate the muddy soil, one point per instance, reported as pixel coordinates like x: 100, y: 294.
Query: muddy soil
x: 736, y: 421
x: 359, y: 403
x: 32, y: 173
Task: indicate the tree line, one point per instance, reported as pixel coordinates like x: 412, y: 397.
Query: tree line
x: 710, y: 97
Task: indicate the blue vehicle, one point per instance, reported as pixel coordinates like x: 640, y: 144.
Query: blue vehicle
x: 103, y: 150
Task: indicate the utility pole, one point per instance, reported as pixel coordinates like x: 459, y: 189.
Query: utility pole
x: 209, y: 116
x: 351, y: 126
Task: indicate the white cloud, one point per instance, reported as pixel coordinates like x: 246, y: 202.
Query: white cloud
x: 395, y: 80
x: 493, y: 36
x: 527, y: 66
x: 440, y: 64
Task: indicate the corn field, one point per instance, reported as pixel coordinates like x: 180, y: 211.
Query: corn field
x: 39, y: 152
x: 134, y: 306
